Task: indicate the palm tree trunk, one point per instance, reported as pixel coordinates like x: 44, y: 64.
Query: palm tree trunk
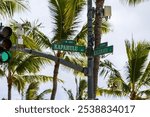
x: 133, y: 95
x: 97, y: 32
x: 9, y: 91
x: 22, y: 95
x: 55, y: 75
x: 9, y: 81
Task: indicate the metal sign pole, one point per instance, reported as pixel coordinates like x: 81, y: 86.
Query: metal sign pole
x: 51, y: 57
x: 90, y: 51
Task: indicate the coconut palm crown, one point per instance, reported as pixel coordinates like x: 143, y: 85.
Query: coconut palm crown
x: 136, y: 84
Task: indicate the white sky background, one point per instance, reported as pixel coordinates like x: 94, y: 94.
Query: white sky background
x: 126, y: 22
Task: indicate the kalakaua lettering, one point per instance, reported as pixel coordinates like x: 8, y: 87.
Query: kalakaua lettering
x: 35, y: 109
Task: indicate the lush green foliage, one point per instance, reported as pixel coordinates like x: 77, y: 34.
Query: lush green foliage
x: 137, y: 81
x: 9, y: 7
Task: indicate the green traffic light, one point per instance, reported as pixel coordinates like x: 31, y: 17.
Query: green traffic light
x: 5, y: 56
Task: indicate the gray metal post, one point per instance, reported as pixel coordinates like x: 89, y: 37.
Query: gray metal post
x: 90, y: 51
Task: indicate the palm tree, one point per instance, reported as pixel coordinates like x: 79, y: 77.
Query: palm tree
x: 9, y: 7
x: 136, y: 84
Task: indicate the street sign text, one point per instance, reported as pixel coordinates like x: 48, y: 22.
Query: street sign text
x: 102, y: 51
x: 68, y: 48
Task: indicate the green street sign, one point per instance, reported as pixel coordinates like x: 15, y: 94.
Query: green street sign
x: 102, y: 45
x: 68, y: 42
x: 101, y: 51
x: 68, y: 48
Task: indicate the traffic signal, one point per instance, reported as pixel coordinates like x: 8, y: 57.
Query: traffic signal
x: 5, y: 44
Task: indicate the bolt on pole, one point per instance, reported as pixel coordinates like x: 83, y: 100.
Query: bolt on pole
x: 90, y: 51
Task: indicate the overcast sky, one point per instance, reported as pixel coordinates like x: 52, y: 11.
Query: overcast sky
x: 127, y: 22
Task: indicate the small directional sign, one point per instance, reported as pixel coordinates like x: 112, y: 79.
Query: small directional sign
x: 101, y: 51
x: 102, y: 45
x: 68, y: 48
x: 69, y: 42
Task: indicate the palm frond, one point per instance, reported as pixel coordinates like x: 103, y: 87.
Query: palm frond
x: 41, y: 95
x: 72, y: 11
x: 132, y: 2
x: 30, y: 64
x: 33, y: 29
x: 36, y: 78
x: 145, y: 79
x: 30, y: 43
x: 82, y: 87
x: 109, y: 92
x: 137, y: 56
x: 78, y: 61
x: 14, y: 38
x: 19, y: 82
x: 64, y: 13
x: 69, y: 93
x: 144, y: 94
x: 17, y: 57
x: 32, y: 91
x: 108, y: 69
x: 106, y: 27
x: 82, y: 33
x: 118, y: 84
x: 57, y: 8
x: 9, y: 7
x: 2, y: 72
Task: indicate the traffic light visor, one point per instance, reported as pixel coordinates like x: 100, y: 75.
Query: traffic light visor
x: 6, y: 32
x: 6, y: 44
